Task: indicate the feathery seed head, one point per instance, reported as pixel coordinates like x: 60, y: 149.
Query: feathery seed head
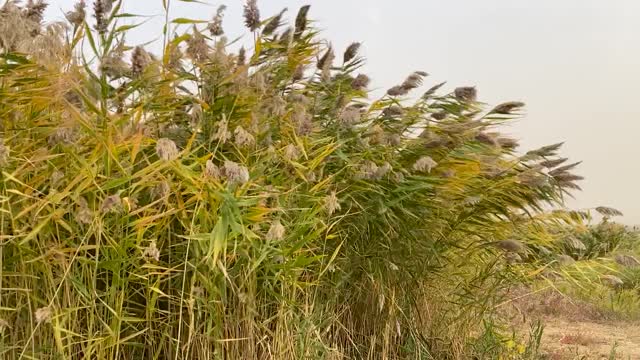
x: 570, y: 185
x: 235, y: 173
x: 549, y: 164
x: 100, y: 13
x: 56, y: 177
x: 139, y: 61
x: 325, y: 63
x: 34, y: 10
x: 394, y: 139
x: 608, y: 211
x: 84, y: 215
x: 215, y: 26
x: 424, y: 164
x: 161, y: 190
x: 397, y: 90
x: 393, y: 110
x: 564, y: 168
x: 349, y: 116
x: 368, y: 171
x: 429, y: 93
x: 545, y: 151
x: 298, y: 73
x: 411, y: 82
x: 291, y: 152
x: 398, y: 177
x: 383, y: 170
x: 151, y: 253
x: 448, y: 173
x: 331, y: 203
x: 111, y: 204
x: 197, y: 48
x: 507, y: 143
x: 627, y: 260
x: 286, y: 37
x: 166, y: 149
x: 62, y: 135
x: 486, y: 138
x: 533, y: 179
x: 565, y: 177
x: 508, y: 107
x: 242, y: 57
x: 222, y: 134
x: 351, y: 52
x: 440, y: 115
x: 43, y: 314
x: 311, y: 177
x: 414, y: 80
x: 276, y: 106
x: 108, y: 5
x: 301, y: 20
x: 612, y: 280
x: 435, y: 141
x: 251, y: 15
x: 77, y: 16
x: 565, y: 260
x: 243, y: 138
x: 302, y: 120
x: 276, y: 231
x: 511, y: 246
x: 360, y: 82
x: 4, y: 153
x: 466, y: 93
x: 212, y: 171
x: 174, y: 62
x: 575, y: 243
x: 376, y: 134
x: 273, y: 24
x: 112, y: 64
x: 512, y: 257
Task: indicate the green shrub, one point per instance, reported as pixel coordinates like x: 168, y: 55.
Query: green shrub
x: 247, y: 204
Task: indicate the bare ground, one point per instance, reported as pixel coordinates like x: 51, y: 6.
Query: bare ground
x: 565, y: 339
x: 575, y: 330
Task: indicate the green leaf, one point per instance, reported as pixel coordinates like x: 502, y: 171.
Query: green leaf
x: 187, y: 21
x: 124, y: 28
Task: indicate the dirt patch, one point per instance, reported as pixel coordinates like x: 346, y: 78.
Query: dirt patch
x: 563, y: 339
x: 573, y: 330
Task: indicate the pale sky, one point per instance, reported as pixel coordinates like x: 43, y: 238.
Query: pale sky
x: 576, y: 63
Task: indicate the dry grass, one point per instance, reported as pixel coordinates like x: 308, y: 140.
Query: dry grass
x: 578, y: 339
x: 574, y: 329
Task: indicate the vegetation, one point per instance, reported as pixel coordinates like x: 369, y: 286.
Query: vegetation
x: 223, y: 203
x: 598, y: 266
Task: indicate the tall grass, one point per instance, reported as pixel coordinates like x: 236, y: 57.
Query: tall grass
x: 211, y: 204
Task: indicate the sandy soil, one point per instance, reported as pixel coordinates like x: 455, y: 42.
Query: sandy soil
x: 575, y: 330
x: 566, y: 339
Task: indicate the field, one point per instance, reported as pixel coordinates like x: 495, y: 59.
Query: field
x: 574, y: 329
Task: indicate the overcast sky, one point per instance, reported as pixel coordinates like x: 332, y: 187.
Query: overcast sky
x: 576, y: 63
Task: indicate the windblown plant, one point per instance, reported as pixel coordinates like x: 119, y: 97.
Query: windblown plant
x: 206, y: 203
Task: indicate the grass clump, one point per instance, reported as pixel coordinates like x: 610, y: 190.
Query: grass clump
x: 211, y: 203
